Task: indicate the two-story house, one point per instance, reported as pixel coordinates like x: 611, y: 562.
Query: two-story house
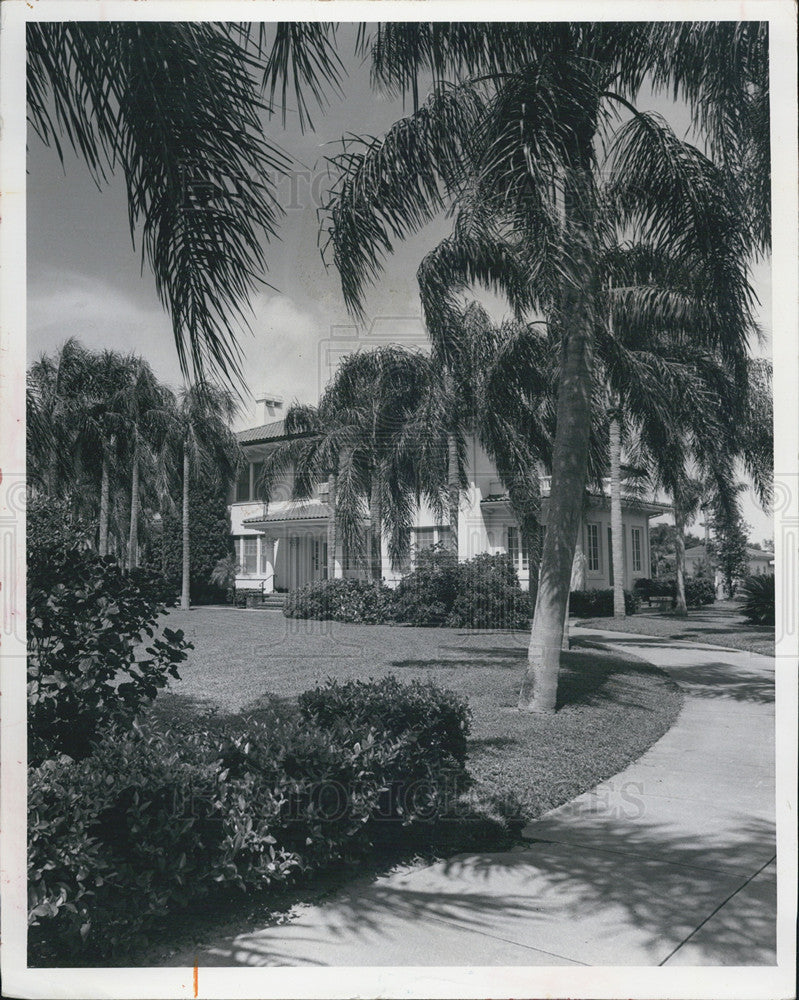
x: 282, y: 544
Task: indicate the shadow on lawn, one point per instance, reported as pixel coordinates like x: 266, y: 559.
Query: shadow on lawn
x: 632, y: 894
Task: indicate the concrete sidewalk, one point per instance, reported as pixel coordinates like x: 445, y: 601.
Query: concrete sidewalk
x: 669, y: 862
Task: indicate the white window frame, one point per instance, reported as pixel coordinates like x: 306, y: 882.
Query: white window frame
x: 593, y: 566
x: 636, y: 558
x: 517, y: 550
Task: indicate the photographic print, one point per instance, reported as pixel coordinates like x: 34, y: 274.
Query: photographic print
x: 399, y: 557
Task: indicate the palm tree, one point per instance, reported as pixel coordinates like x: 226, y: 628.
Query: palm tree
x: 149, y: 409
x: 55, y: 396
x: 379, y: 396
x: 174, y: 107
x: 521, y: 136
x: 201, y: 439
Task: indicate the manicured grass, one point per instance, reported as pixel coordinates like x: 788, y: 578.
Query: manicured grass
x: 720, y: 624
x: 611, y: 708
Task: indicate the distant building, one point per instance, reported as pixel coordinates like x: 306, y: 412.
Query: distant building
x: 282, y: 544
x: 758, y: 561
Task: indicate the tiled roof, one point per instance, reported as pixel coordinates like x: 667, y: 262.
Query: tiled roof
x: 266, y: 432
x: 306, y: 512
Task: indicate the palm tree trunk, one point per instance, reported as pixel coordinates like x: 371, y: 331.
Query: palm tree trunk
x: 375, y: 534
x: 616, y: 528
x: 184, y: 592
x: 680, y: 606
x: 570, y: 454
x: 133, y: 540
x: 332, y: 529
x: 453, y: 492
x: 104, y: 504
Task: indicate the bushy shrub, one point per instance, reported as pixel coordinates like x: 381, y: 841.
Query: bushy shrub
x: 483, y: 592
x: 426, y: 595
x: 150, y: 823
x: 488, y: 595
x: 341, y: 601
x: 599, y: 603
x: 758, y: 599
x: 439, y: 719
x: 699, y: 591
x: 87, y: 618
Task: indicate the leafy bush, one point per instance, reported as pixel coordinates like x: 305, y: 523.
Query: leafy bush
x: 150, y: 823
x: 86, y: 620
x: 599, y: 603
x: 481, y: 593
x: 439, y: 719
x: 341, y: 601
x: 758, y: 604
x: 699, y: 591
x: 426, y: 595
x: 488, y: 595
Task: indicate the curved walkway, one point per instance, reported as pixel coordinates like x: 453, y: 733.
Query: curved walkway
x: 670, y: 861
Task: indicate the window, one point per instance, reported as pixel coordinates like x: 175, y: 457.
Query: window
x: 425, y: 538
x: 243, y: 484
x: 250, y: 559
x: 635, y: 536
x: 257, y: 491
x: 592, y: 548
x: 517, y: 550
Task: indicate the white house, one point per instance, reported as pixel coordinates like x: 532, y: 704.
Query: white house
x: 758, y: 561
x: 282, y: 544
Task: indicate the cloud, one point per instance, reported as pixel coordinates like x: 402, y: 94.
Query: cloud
x: 63, y: 303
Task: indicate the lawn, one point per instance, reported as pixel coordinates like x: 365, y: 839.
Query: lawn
x: 610, y: 709
x: 719, y: 624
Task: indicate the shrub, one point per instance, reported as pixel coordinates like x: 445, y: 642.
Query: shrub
x: 341, y: 600
x: 426, y: 595
x: 150, y: 823
x: 758, y: 604
x: 488, y: 595
x: 438, y: 719
x: 86, y: 618
x: 599, y: 603
x: 699, y: 591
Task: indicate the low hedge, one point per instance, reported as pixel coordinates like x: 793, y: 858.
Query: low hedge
x: 699, y: 590
x: 483, y: 592
x: 151, y: 822
x: 342, y: 601
x: 599, y: 603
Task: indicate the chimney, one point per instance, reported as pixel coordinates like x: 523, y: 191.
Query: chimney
x: 272, y: 407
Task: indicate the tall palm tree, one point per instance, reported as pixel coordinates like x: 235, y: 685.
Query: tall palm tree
x: 201, y: 439
x: 148, y: 409
x: 519, y: 131
x: 175, y: 108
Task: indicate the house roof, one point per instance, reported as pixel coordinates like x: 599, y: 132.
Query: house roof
x: 266, y: 432
x: 649, y: 507
x: 300, y: 512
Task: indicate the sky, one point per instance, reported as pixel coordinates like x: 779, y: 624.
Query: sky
x: 85, y: 277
